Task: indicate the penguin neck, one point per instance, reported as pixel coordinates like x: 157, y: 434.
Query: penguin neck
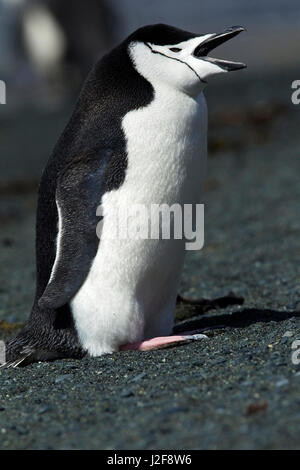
x: 176, y: 104
x: 163, y: 89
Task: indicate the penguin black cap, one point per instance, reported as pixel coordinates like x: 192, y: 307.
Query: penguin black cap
x: 161, y: 34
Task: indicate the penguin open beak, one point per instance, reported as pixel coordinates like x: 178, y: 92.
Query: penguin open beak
x: 211, y: 43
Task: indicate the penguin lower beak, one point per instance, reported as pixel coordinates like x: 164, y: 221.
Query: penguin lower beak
x: 216, y: 40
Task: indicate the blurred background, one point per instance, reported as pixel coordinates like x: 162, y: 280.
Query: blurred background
x: 46, y: 50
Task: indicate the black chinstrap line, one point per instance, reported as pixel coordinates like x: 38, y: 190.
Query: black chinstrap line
x: 173, y: 58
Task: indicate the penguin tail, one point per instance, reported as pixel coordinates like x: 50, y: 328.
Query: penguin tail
x: 26, y: 354
x: 19, y: 351
x: 26, y: 349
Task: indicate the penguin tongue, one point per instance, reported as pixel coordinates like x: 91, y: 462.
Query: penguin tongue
x: 211, y: 43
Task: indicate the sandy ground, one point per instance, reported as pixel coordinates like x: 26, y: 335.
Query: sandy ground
x: 237, y: 390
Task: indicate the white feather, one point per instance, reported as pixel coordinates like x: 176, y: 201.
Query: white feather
x: 58, y: 242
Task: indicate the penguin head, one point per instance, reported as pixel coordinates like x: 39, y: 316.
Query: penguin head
x: 173, y: 57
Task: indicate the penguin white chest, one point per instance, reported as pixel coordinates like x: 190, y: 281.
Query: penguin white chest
x: 130, y: 291
x: 166, y: 148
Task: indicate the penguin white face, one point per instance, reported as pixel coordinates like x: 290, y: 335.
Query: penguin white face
x: 183, y: 63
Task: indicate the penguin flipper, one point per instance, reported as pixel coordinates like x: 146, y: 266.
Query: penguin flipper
x: 78, y: 195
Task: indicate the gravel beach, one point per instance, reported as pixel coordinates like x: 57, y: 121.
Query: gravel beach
x: 237, y: 390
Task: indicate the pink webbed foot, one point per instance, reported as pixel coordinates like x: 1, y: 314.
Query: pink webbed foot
x: 163, y: 342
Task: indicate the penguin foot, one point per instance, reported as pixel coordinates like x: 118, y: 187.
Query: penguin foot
x: 162, y: 342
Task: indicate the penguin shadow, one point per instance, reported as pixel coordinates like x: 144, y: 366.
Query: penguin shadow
x: 238, y: 319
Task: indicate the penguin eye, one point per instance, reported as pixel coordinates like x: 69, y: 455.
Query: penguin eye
x: 175, y: 49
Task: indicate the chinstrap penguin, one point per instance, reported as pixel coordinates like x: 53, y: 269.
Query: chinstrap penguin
x: 138, y: 135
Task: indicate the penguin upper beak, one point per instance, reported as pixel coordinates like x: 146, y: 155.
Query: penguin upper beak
x: 211, y: 43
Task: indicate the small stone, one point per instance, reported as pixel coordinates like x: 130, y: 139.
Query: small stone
x: 220, y: 360
x: 21, y: 430
x: 61, y: 378
x: 174, y: 410
x: 288, y: 333
x: 126, y: 393
x: 256, y: 407
x: 247, y: 383
x: 284, y: 340
x: 139, y: 377
x: 43, y: 409
x: 281, y: 383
